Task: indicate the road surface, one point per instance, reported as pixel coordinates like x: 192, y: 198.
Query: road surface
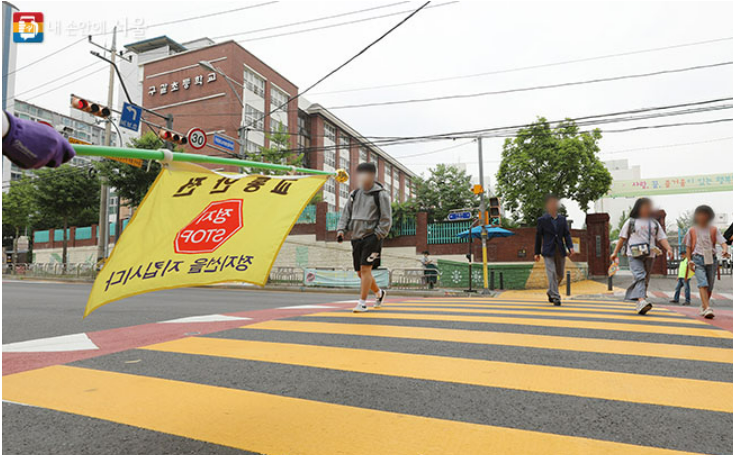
x: 506, y: 375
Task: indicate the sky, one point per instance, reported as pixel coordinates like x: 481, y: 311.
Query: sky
x: 450, y: 39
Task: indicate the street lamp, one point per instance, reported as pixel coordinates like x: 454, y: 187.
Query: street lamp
x: 242, y: 128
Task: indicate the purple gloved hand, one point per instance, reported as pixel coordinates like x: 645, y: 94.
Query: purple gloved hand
x: 32, y: 145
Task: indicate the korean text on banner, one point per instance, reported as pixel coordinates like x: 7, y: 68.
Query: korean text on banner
x: 196, y: 226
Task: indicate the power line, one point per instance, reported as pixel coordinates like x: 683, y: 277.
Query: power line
x: 47, y: 56
x: 529, y: 67
x: 351, y: 59
x: 204, y: 16
x: 65, y: 84
x: 15, y: 96
x: 533, y: 88
x: 308, y: 21
x: 340, y: 24
x: 654, y: 147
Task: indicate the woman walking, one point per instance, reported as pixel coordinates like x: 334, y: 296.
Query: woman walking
x: 639, y: 237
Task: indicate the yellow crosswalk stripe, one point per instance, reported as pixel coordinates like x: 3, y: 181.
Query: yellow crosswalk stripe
x: 584, y: 303
x: 568, y: 324
x: 628, y: 316
x: 277, y: 425
x: 596, y: 345
x: 547, y: 307
x: 637, y: 388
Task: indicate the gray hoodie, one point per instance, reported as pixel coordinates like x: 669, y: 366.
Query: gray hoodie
x: 361, y: 216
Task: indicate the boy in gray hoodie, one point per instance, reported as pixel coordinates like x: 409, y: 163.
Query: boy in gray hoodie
x: 368, y: 215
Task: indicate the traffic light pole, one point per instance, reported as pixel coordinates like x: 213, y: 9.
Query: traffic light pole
x: 482, y: 216
x: 103, y: 242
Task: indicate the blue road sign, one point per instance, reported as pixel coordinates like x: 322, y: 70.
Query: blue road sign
x: 223, y: 143
x: 130, y: 117
x: 459, y: 216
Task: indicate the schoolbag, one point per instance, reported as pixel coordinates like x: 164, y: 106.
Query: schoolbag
x: 375, y: 194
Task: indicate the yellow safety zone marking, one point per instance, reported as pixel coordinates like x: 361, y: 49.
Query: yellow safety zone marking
x: 595, y: 345
x: 547, y: 309
x: 276, y: 425
x: 579, y: 314
x: 628, y: 309
x: 636, y: 388
x: 570, y: 324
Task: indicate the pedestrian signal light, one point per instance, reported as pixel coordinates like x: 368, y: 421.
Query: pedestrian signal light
x: 90, y: 107
x: 494, y: 211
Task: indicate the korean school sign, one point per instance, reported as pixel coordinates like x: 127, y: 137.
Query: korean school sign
x: 196, y: 226
x: 672, y: 185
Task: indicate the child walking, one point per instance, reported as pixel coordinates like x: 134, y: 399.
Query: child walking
x: 700, y: 241
x: 683, y: 280
x: 640, y: 235
x: 368, y: 215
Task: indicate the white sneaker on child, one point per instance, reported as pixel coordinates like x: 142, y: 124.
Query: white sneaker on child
x: 380, y: 299
x: 360, y: 308
x: 643, y: 306
x: 708, y: 313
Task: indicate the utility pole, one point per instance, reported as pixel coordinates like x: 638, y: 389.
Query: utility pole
x: 103, y: 242
x: 483, y: 218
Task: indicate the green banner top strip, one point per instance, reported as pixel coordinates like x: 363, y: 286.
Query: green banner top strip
x: 144, y: 154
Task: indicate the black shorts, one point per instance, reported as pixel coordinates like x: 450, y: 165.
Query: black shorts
x: 367, y: 251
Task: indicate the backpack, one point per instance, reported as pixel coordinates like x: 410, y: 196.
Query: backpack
x: 375, y: 194
x: 693, y: 238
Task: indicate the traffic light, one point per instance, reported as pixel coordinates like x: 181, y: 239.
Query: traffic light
x: 90, y: 107
x: 172, y: 136
x: 494, y: 211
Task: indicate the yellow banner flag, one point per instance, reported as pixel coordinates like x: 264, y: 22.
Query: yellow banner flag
x: 196, y: 226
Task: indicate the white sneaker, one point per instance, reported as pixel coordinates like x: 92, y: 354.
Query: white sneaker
x: 707, y: 314
x: 643, y: 306
x: 360, y: 308
x: 380, y: 299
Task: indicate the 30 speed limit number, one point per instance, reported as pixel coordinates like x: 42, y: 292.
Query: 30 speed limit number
x: 196, y: 138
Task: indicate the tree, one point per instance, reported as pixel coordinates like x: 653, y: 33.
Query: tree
x: 544, y: 160
x: 684, y: 220
x: 279, y: 151
x: 448, y: 188
x: 66, y: 193
x: 18, y: 209
x: 132, y: 183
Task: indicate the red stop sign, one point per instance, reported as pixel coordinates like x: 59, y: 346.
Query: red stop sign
x: 211, y: 228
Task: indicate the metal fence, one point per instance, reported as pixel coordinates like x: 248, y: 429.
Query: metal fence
x: 440, y: 233
x: 332, y: 220
x: 84, y: 269
x: 404, y: 227
x: 308, y: 216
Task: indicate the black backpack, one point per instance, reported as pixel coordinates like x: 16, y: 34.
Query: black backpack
x: 352, y: 196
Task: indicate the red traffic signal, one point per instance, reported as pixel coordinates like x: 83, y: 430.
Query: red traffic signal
x: 172, y: 136
x: 90, y: 107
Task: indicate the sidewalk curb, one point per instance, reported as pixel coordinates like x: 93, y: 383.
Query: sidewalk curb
x: 277, y: 288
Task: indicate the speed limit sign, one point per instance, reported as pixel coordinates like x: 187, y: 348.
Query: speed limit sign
x: 196, y: 138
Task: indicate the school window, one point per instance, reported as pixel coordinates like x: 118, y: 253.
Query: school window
x: 329, y: 157
x: 363, y: 155
x: 343, y: 192
x: 329, y: 132
x: 275, y: 125
x: 254, y: 83
x: 388, y: 172
x: 344, y: 152
x: 330, y: 186
x: 253, y: 118
x: 251, y: 147
x: 277, y: 99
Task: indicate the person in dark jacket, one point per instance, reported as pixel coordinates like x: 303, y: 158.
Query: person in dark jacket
x: 553, y: 243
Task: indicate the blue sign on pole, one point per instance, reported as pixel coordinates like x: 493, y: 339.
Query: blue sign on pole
x: 130, y: 117
x: 459, y: 216
x: 223, y: 143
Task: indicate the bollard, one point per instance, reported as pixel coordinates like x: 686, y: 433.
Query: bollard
x: 610, y: 282
x: 501, y: 280
x: 567, y: 283
x: 491, y: 281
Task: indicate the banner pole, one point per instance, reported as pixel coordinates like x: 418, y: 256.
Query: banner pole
x: 144, y: 154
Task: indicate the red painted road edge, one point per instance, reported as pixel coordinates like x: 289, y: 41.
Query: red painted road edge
x: 723, y: 318
x: 126, y: 338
